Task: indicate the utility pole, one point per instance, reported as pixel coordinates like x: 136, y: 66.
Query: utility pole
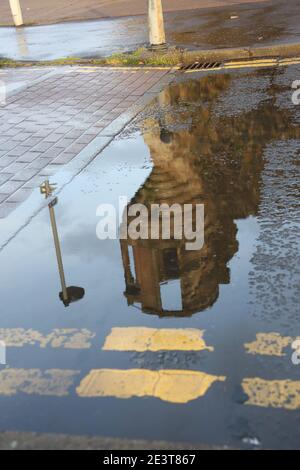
x: 16, y: 12
x: 157, y: 36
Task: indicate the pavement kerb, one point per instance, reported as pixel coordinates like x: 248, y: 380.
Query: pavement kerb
x: 276, y: 50
x: 280, y: 50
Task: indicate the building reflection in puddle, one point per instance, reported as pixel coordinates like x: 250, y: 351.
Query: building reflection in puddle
x: 69, y: 294
x: 199, y: 157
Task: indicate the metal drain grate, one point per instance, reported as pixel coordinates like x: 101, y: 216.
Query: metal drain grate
x: 200, y: 66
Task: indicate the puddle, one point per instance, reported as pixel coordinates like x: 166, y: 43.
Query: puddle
x: 75, y: 39
x: 232, y: 143
x: 240, y: 25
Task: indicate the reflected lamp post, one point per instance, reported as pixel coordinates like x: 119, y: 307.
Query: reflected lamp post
x: 67, y: 294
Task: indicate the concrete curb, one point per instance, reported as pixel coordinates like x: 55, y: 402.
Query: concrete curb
x: 185, y: 56
x: 278, y: 50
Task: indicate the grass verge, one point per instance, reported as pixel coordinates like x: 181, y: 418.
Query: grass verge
x: 169, y: 58
x: 139, y: 57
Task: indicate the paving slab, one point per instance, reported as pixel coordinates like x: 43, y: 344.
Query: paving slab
x: 56, y: 114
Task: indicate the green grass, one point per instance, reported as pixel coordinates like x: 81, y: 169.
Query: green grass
x: 140, y: 57
x: 143, y: 56
x: 62, y: 61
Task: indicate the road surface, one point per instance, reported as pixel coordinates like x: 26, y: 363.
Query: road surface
x: 34, y: 12
x: 242, y: 25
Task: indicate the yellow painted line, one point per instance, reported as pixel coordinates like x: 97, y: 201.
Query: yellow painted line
x: 290, y: 59
x: 250, y: 65
x: 269, y: 344
x: 272, y: 393
x: 52, y: 382
x: 174, y: 386
x: 155, y: 339
x: 68, y: 338
x: 255, y: 61
x: 292, y: 62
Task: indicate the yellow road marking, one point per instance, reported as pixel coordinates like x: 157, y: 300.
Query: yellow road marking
x: 272, y: 393
x: 292, y: 62
x: 256, y: 61
x: 269, y: 344
x: 52, y: 382
x: 68, y: 338
x: 175, y: 386
x: 248, y: 66
x: 155, y: 339
x: 289, y: 59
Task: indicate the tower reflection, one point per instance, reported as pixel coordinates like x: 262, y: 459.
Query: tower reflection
x: 199, y: 157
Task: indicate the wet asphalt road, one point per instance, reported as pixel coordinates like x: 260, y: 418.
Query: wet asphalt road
x: 34, y: 12
x: 233, y: 26
x: 228, y: 141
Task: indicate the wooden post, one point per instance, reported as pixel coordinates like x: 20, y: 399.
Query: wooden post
x: 157, y: 36
x: 16, y: 12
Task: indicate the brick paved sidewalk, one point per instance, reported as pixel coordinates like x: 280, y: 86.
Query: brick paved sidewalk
x: 54, y: 115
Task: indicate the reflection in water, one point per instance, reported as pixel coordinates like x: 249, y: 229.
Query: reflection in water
x: 68, y: 294
x: 22, y: 42
x: 199, y: 157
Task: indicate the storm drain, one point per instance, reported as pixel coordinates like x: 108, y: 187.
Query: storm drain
x: 200, y: 66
